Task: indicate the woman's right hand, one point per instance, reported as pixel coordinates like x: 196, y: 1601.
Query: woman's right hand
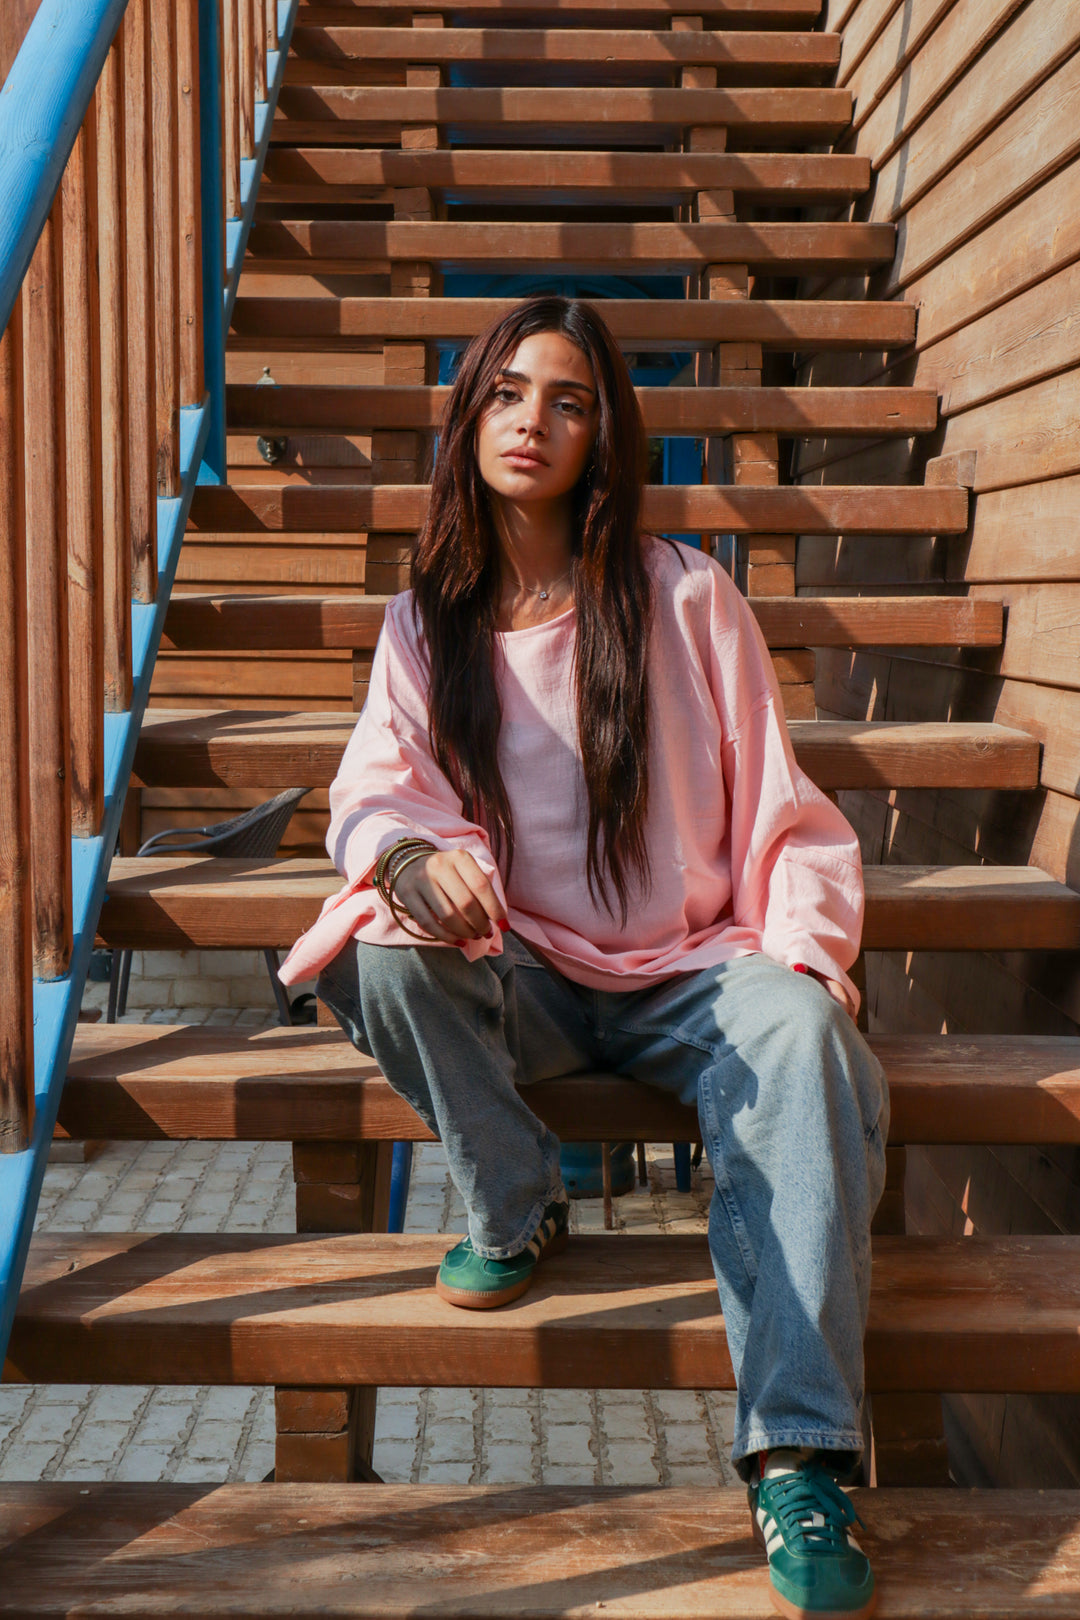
x: 449, y: 897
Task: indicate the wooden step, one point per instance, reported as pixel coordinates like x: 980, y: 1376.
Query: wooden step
x: 721, y: 13
x: 141, y: 1082
x: 506, y: 1552
x: 274, y: 749
x: 972, y: 1314
x: 178, y: 902
x: 368, y: 246
x: 290, y: 505
x: 793, y: 412
x: 296, y: 623
x: 350, y: 174
x: 761, y: 116
x: 782, y: 56
x: 643, y: 324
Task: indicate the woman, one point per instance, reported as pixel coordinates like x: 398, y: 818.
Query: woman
x: 574, y: 836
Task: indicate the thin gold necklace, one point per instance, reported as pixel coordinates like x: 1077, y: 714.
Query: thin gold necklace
x: 546, y: 591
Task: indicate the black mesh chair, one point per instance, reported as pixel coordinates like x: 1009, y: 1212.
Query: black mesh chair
x: 256, y: 834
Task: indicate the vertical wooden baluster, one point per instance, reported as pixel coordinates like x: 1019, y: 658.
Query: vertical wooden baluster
x: 230, y: 12
x: 211, y: 203
x: 16, y: 955
x: 258, y: 29
x: 191, y: 333
x: 247, y: 78
x: 47, y: 632
x: 272, y: 38
x: 114, y: 386
x: 166, y: 243
x: 139, y: 247
x: 82, y: 400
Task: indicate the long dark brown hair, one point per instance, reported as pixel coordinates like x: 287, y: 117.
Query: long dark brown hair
x: 455, y: 577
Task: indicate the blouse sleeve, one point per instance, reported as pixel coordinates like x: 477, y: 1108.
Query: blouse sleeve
x: 796, y: 872
x: 389, y: 785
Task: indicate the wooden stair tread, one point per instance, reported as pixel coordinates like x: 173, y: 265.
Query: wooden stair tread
x: 180, y: 901
x: 786, y: 113
x: 805, y: 412
x: 145, y: 1082
x: 315, y: 49
x: 355, y: 243
x: 295, y: 506
x: 782, y: 324
x: 274, y: 749
x: 507, y: 1551
x: 762, y: 13
x: 630, y: 1312
x: 253, y: 622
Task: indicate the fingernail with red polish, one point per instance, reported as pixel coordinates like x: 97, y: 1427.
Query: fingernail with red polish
x: 503, y: 924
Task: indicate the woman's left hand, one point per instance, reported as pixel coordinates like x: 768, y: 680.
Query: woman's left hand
x: 838, y: 993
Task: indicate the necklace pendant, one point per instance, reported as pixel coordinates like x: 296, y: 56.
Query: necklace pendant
x: 543, y: 596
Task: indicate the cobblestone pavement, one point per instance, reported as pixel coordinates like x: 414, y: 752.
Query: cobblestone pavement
x: 452, y: 1436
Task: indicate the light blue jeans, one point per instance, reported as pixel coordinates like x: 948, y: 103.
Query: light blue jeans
x: 793, y: 1109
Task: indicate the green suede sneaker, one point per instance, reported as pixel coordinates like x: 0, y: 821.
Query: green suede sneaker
x: 468, y: 1279
x: 817, y: 1571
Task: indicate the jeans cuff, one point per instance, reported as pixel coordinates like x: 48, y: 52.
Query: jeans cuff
x: 848, y: 1442
x: 507, y: 1251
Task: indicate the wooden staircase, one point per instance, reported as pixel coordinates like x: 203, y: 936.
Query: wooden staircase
x: 664, y: 144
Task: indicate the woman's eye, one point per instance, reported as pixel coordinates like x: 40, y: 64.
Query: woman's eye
x: 570, y: 406
x: 506, y: 396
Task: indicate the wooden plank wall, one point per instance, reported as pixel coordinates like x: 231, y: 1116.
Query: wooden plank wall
x: 969, y: 110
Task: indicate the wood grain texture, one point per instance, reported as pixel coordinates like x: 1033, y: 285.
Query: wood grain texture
x: 140, y: 1083
x: 230, y: 28
x: 246, y: 68
x: 297, y: 505
x: 45, y: 460
x: 647, y: 324
x: 16, y: 914
x: 633, y: 1312
x: 184, y: 901
x: 275, y: 749
x: 139, y: 286
x: 82, y: 403
x: 164, y: 141
x: 722, y: 13
x: 518, y: 1552
x: 116, y: 538
x: 836, y: 411
x: 779, y: 53
x: 357, y: 174
x: 304, y: 244
x: 189, y: 199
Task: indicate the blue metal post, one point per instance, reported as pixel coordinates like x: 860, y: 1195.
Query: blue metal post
x: 213, y: 236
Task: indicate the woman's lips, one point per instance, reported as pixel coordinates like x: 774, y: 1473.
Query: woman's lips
x: 524, y: 457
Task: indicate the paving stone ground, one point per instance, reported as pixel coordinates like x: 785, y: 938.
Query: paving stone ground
x: 450, y: 1436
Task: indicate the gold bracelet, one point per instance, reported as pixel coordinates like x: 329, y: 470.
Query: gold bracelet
x: 389, y: 868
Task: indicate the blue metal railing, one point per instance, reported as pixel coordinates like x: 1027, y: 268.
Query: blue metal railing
x: 43, y: 103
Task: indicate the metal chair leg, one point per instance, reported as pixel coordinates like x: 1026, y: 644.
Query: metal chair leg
x: 272, y: 965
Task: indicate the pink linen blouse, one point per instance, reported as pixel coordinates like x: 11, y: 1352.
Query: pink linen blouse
x: 746, y: 854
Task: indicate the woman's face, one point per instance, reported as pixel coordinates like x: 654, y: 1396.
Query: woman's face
x: 534, y: 439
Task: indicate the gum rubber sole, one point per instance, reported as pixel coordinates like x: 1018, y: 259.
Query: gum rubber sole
x: 469, y: 1300
x: 792, y: 1611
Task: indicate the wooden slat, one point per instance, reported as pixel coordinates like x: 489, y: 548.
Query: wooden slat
x: 139, y: 289
x: 230, y: 25
x: 190, y: 202
x: 47, y: 620
x: 247, y: 78
x: 115, y: 511
x: 645, y: 324
x: 82, y: 402
x: 659, y: 247
x: 258, y: 22
x: 779, y: 53
x: 723, y: 13
x: 251, y: 622
x: 267, y: 749
x: 636, y: 1312
x: 270, y: 7
x: 356, y: 174
x: 787, y: 112
x: 141, y: 1083
x: 364, y: 1550
x: 164, y: 133
x: 839, y: 412
x: 16, y: 952
x: 190, y: 901
x: 299, y: 507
